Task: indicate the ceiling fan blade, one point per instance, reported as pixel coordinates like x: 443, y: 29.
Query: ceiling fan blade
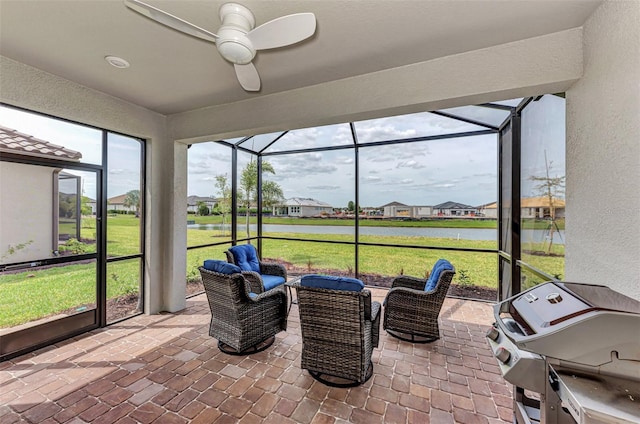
x: 169, y: 20
x: 248, y: 76
x: 283, y: 31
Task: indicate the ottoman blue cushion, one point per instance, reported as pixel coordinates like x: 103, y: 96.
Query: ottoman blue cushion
x: 246, y: 257
x: 330, y: 282
x: 434, y: 276
x: 221, y: 266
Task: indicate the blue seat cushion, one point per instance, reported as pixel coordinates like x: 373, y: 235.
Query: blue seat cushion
x: 434, y: 276
x: 245, y: 257
x: 221, y: 266
x: 271, y: 281
x: 330, y: 282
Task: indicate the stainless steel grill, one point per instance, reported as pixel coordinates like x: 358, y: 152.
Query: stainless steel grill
x: 572, y: 352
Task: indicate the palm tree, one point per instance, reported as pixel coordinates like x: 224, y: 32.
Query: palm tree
x: 271, y: 191
x: 224, y: 203
x: 132, y: 199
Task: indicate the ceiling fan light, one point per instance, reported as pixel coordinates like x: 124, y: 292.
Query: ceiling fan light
x: 235, y: 52
x: 117, y: 62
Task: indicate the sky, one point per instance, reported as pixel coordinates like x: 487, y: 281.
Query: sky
x: 462, y: 170
x: 423, y: 173
x: 124, y: 152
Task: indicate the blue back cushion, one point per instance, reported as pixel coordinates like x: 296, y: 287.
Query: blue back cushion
x: 330, y: 282
x: 221, y: 266
x: 246, y: 257
x: 434, y: 276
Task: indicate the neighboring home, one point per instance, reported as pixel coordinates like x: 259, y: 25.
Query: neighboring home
x: 194, y: 201
x: 370, y: 211
x: 116, y: 203
x: 400, y: 210
x: 454, y: 209
x: 540, y: 207
x: 532, y: 207
x: 91, y: 203
x: 31, y: 208
x: 302, y: 207
x: 487, y: 210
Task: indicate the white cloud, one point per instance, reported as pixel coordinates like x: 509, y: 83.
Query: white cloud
x: 323, y: 187
x: 410, y: 164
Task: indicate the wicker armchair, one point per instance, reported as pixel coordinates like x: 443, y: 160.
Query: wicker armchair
x: 242, y: 319
x: 264, y: 274
x: 410, y: 311
x: 340, y: 328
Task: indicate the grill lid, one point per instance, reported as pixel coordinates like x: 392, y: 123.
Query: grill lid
x: 582, y: 323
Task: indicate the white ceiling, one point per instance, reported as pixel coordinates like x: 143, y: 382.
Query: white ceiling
x: 171, y: 72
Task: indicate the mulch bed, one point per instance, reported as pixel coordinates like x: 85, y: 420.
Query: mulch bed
x: 375, y: 280
x: 124, y: 306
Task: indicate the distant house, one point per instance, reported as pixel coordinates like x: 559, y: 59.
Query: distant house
x: 302, y: 207
x: 454, y: 209
x: 532, y: 207
x: 116, y: 203
x: 371, y: 211
x: 194, y: 201
x: 34, y: 213
x: 400, y: 210
x: 487, y: 210
x: 91, y: 204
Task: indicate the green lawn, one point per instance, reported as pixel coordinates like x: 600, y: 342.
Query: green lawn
x: 34, y: 294
x: 437, y: 223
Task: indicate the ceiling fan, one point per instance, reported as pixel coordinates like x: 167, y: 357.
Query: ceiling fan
x: 237, y: 40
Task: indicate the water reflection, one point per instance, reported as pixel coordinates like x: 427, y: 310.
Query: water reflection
x: 450, y: 233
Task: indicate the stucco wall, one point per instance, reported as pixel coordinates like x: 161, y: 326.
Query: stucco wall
x: 603, y: 153
x: 540, y: 65
x: 26, y: 216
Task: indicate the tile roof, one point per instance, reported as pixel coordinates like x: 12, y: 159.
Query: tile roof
x: 12, y: 141
x: 194, y: 200
x: 453, y: 205
x: 116, y: 200
x: 302, y: 201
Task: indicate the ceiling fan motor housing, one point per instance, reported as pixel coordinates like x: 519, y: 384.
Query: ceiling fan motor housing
x: 233, y: 43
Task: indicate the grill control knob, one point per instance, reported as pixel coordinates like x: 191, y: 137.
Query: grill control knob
x: 493, y: 334
x: 503, y: 355
x: 554, y: 298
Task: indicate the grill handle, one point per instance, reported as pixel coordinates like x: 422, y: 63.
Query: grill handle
x: 511, y: 329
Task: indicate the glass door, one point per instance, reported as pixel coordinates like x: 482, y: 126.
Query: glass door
x: 50, y: 252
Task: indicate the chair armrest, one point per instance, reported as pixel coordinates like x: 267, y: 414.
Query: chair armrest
x: 230, y: 257
x: 255, y: 281
x: 278, y: 291
x: 272, y: 268
x: 375, y: 310
x: 409, y: 282
x: 417, y: 300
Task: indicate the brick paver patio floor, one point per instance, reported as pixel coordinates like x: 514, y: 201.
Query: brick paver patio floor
x: 166, y: 369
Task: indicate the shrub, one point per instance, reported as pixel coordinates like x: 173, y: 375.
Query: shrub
x: 74, y: 246
x: 203, y: 210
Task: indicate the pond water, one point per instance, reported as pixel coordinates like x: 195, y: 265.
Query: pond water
x: 451, y: 233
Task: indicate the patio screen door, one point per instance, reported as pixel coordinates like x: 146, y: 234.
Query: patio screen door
x: 50, y: 247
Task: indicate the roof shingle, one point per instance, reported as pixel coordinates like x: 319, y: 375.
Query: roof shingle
x: 13, y: 141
